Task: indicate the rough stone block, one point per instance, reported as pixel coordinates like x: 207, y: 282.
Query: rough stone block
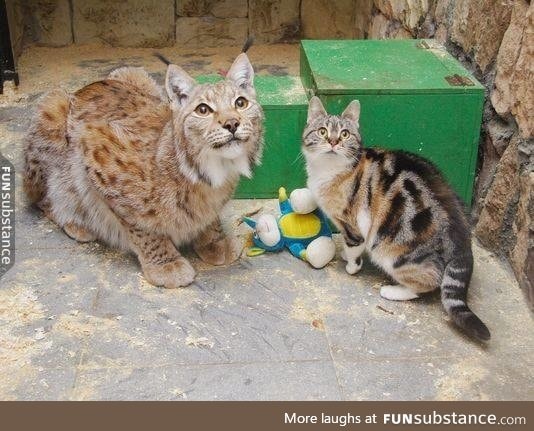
x: 194, y: 32
x: 379, y: 27
x: 494, y: 143
x: 136, y: 23
x: 441, y: 34
x: 216, y: 8
x: 522, y: 255
x: 479, y: 26
x: 274, y: 20
x: 442, y: 11
x: 411, y: 13
x: 499, y: 203
x: 382, y: 28
x: 513, y: 82
x: 323, y: 19
x: 50, y: 22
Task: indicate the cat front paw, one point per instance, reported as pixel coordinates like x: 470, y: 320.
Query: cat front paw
x: 178, y: 273
x: 222, y: 252
x: 354, y: 266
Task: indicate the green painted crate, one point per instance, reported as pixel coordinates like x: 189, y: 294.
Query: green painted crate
x: 414, y: 96
x: 285, y: 106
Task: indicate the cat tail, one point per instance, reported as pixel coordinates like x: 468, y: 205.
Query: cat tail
x: 454, y: 285
x: 48, y: 133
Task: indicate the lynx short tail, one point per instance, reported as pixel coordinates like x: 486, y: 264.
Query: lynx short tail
x: 48, y: 134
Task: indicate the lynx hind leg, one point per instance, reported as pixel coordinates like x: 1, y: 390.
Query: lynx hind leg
x: 138, y: 77
x: 413, y: 280
x: 160, y: 261
x: 78, y: 232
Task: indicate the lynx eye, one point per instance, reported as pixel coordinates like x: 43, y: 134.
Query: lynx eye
x: 203, y: 110
x: 322, y: 132
x: 241, y: 103
x: 344, y: 134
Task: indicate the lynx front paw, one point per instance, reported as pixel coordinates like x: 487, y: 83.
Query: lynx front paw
x: 178, y: 273
x: 222, y: 252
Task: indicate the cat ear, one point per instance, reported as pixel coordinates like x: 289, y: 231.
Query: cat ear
x: 241, y: 72
x: 315, y: 109
x: 178, y: 84
x: 352, y: 112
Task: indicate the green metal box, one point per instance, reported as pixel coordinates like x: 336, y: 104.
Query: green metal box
x: 414, y: 96
x: 285, y: 107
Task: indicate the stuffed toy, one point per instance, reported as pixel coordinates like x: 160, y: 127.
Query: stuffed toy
x: 302, y: 228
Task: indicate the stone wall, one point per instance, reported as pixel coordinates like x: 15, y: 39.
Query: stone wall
x: 158, y: 23
x: 492, y: 38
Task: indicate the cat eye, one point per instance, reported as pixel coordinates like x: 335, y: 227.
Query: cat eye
x: 322, y: 132
x: 241, y: 103
x: 344, y: 134
x: 203, y: 110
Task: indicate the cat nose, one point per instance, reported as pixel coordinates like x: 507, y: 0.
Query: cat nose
x: 231, y: 125
x: 333, y: 142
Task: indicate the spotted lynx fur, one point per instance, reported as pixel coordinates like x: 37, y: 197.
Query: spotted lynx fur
x: 144, y: 168
x: 395, y: 206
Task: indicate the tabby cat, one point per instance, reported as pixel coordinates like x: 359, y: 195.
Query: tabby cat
x: 397, y: 207
x: 145, y: 168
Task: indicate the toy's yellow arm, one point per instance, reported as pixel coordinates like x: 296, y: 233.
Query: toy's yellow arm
x: 282, y: 194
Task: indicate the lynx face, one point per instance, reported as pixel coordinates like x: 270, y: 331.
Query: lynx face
x: 221, y: 119
x: 218, y: 125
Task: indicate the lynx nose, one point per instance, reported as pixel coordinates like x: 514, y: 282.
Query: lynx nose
x: 231, y: 125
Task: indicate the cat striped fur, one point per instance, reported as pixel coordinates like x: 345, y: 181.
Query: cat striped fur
x: 395, y: 206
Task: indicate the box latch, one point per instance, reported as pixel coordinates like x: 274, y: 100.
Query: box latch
x: 423, y: 45
x: 459, y: 81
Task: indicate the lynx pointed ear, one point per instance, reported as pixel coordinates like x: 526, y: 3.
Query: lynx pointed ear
x: 241, y: 72
x: 352, y: 112
x: 178, y: 84
x: 315, y: 109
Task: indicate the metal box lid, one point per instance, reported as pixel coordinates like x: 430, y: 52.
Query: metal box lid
x: 384, y: 67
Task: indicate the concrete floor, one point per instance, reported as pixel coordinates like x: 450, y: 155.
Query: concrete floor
x: 79, y: 322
